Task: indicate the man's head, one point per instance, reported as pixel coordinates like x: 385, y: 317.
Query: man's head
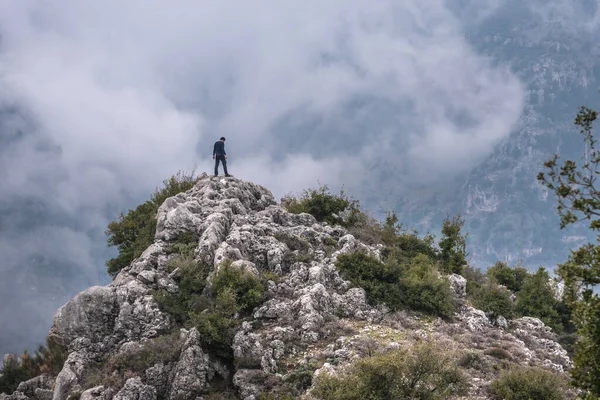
x: 222, y: 139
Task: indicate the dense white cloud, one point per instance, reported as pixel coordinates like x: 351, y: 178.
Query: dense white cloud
x: 108, y: 98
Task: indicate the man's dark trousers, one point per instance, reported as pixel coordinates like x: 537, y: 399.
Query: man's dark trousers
x: 221, y: 158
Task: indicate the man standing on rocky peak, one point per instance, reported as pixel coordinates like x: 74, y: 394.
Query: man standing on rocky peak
x: 219, y: 154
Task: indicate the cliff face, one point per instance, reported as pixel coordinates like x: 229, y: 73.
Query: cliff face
x: 312, y: 321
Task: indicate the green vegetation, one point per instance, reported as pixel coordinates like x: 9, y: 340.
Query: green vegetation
x: 325, y: 206
x: 191, y: 280
x: 536, y: 299
x: 234, y: 291
x: 403, y: 245
x: 243, y: 285
x: 579, y: 200
x: 48, y: 358
x: 453, y: 245
x: 528, y: 384
x: 133, y: 232
x: 512, y: 278
x: 408, y: 277
x: 534, y: 296
x: 114, y: 370
x: 475, y: 279
x: 493, y: 299
x: 184, y: 243
x: 424, y: 372
x: 413, y: 285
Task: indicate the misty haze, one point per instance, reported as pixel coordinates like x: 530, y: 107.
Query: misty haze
x: 427, y: 108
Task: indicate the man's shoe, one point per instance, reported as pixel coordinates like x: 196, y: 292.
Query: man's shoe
x: 229, y: 176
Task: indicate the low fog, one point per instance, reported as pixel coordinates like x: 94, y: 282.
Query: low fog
x: 101, y: 101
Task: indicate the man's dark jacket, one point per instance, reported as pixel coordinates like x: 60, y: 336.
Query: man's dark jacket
x: 219, y: 149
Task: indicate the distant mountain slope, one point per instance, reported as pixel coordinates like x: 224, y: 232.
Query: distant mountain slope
x: 508, y: 214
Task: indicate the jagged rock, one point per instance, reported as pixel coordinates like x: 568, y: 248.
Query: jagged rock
x: 43, y: 394
x: 310, y: 311
x: 159, y: 376
x: 475, y: 319
x: 247, y: 347
x: 251, y: 382
x: 68, y: 378
x: 501, y: 322
x: 458, y: 285
x: 15, y: 396
x: 110, y: 315
x: 97, y: 393
x: 353, y: 303
x: 29, y: 387
x: 191, y: 372
x: 135, y: 389
x: 540, y: 337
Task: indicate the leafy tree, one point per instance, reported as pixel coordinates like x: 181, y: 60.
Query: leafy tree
x: 133, y: 232
x: 536, y: 299
x: 453, y: 245
x: 574, y: 184
x: 512, y: 278
x: 493, y: 299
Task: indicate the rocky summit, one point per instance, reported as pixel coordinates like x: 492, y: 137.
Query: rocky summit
x: 311, y: 322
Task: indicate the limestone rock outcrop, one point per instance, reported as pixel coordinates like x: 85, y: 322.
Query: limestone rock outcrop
x: 309, y: 312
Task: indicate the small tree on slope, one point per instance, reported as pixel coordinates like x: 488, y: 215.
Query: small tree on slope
x: 453, y: 245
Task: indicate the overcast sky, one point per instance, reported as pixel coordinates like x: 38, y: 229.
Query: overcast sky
x: 100, y: 101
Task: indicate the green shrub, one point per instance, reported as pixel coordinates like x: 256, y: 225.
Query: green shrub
x: 234, y: 291
x: 528, y: 384
x: 475, y: 279
x: 191, y: 281
x: 586, y: 373
x: 329, y: 241
x: 133, y: 232
x: 293, y: 242
x: 472, y: 360
x: 217, y: 331
x: 184, y: 243
x: 431, y: 295
x: 269, y: 276
x: 299, y: 380
x: 499, y: 353
x: 414, y: 286
x: 403, y: 245
x: 536, y: 299
x: 247, y: 288
x: 495, y: 300
x: 49, y: 358
x: 380, y: 281
x: 325, y: 206
x: 425, y: 372
x: 512, y: 278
